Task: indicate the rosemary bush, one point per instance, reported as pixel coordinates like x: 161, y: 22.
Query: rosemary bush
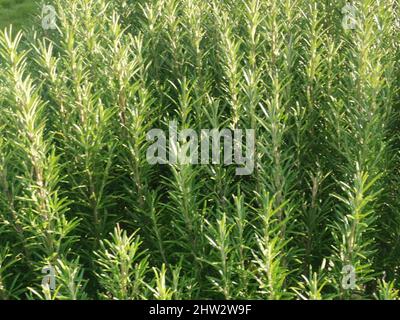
x: 77, y: 191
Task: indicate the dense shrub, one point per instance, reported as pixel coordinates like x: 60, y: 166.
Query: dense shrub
x: 78, y: 194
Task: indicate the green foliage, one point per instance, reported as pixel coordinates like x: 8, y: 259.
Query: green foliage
x: 78, y: 194
x: 17, y: 13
